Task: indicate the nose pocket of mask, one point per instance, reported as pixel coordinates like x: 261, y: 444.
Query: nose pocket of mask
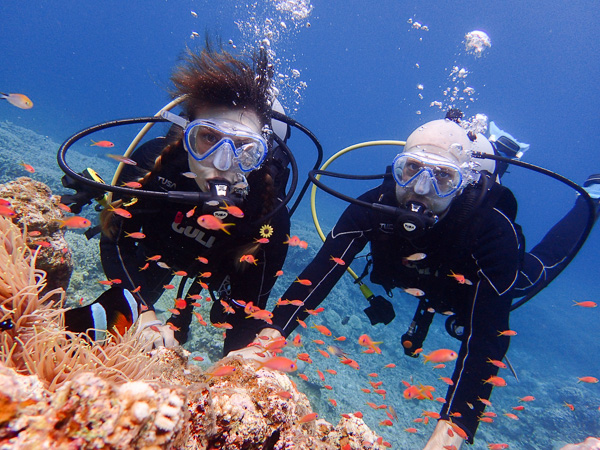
x: 223, y: 156
x: 423, y: 182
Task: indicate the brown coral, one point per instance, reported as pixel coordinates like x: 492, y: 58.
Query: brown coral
x: 37, y: 211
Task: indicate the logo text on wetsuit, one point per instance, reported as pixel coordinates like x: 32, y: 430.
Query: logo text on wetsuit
x: 194, y: 233
x: 166, y: 182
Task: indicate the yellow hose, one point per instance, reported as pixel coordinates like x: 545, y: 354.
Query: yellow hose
x: 313, y: 192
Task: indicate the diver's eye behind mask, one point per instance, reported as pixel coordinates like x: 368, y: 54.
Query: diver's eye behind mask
x: 422, y: 173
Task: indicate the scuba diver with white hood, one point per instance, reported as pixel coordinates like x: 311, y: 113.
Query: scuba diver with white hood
x: 442, y: 229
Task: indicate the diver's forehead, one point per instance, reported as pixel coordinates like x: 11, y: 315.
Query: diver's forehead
x: 245, y: 117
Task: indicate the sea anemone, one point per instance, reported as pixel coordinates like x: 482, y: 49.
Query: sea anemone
x: 38, y: 343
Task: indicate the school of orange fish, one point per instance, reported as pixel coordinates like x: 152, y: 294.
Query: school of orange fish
x: 270, y: 349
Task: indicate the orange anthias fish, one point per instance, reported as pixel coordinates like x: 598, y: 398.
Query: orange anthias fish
x: 460, y: 278
x: 249, y: 259
x: 507, y: 333
x: 587, y: 380
x: 6, y: 211
x: 495, y: 381
x: 280, y: 363
x: 18, y: 100
x: 105, y: 144
x: 292, y: 241
x: 441, y: 356
x: 233, y: 210
x: 221, y: 371
x: 418, y: 392
x: 132, y: 185
x: 135, y: 235
x: 303, y: 282
x: 308, y: 418
x: 121, y: 212
x: 210, y: 222
x: 74, y: 222
x: 585, y: 304
x: 365, y: 341
x: 28, y: 167
x: 497, y: 363
x: 180, y: 303
x: 261, y: 314
x: 322, y: 329
x: 226, y: 308
x: 339, y: 261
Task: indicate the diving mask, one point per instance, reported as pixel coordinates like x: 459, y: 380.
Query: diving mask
x: 222, y: 142
x: 423, y: 171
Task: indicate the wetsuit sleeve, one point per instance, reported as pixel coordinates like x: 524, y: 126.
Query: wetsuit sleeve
x: 253, y: 283
x: 547, y: 259
x: 497, y: 258
x: 120, y: 256
x: 348, y: 237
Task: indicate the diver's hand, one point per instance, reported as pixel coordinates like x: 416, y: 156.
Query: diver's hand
x: 589, y: 444
x: 155, y: 332
x: 440, y: 437
x: 256, y: 349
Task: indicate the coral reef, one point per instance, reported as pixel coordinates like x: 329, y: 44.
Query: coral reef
x: 185, y: 408
x: 59, y: 390
x: 38, y: 213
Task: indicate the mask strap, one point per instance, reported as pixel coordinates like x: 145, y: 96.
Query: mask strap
x: 174, y: 118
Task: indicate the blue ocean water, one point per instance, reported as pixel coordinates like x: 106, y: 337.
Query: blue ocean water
x: 359, y: 66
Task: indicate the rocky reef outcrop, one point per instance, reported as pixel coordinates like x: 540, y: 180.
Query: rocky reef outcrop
x: 38, y: 211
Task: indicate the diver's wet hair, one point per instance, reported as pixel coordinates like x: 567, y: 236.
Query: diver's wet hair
x: 214, y: 77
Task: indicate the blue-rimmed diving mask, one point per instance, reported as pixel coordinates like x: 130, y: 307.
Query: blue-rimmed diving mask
x: 222, y: 142
x: 425, y: 171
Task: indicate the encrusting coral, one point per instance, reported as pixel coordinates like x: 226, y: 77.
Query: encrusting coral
x: 59, y: 390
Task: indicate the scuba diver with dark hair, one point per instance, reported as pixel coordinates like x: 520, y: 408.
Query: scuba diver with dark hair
x: 222, y: 146
x: 442, y: 229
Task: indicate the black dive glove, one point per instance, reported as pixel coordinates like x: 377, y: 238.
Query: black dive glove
x: 380, y: 310
x: 84, y: 194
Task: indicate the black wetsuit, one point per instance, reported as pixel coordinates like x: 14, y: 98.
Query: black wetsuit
x: 179, y: 241
x: 488, y: 253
